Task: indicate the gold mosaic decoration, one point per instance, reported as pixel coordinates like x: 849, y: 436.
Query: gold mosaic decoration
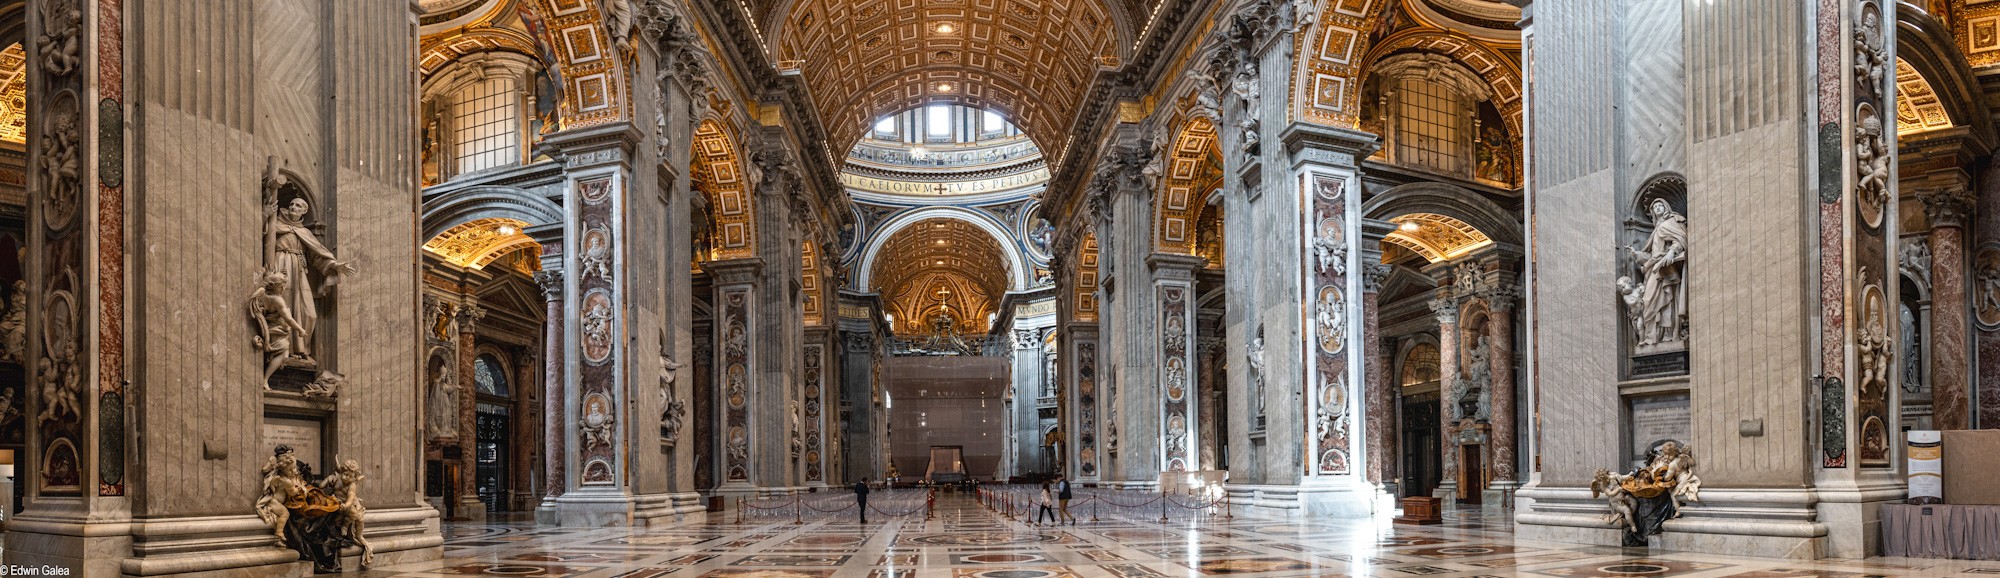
x: 1032, y: 60
x: 1436, y: 237
x: 474, y: 244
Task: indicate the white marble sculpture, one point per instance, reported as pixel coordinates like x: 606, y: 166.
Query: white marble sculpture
x: 310, y: 269
x: 1656, y: 297
x: 1255, y: 355
x: 326, y: 385
x: 443, y: 412
x: 596, y: 426
x: 1329, y: 248
x: 1330, y: 313
x: 1989, y: 291
x: 1611, y: 487
x: 671, y: 408
x: 14, y: 325
x: 277, y: 327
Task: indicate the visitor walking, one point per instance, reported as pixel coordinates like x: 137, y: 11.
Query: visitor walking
x: 861, y: 498
x: 1063, y: 496
x: 1048, y: 507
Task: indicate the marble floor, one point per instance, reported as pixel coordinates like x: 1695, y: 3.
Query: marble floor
x: 965, y: 540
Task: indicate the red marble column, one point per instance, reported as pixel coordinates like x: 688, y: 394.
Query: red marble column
x: 554, y: 455
x: 521, y: 438
x: 1379, y: 413
x: 1948, y: 210
x: 468, y: 397
x: 1500, y: 336
x: 1446, y: 310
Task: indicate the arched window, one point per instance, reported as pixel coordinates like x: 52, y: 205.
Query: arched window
x: 475, y: 115
x: 485, y: 119
x: 490, y: 375
x: 1433, y: 128
x: 1430, y: 111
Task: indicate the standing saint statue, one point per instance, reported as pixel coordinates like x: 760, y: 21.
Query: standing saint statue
x: 1661, y: 295
x: 292, y: 250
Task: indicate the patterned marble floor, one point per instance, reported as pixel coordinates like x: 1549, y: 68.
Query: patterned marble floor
x: 967, y: 541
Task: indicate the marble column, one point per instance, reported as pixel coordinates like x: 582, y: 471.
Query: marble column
x: 521, y: 437
x: 1378, y: 406
x: 1179, y: 412
x: 554, y: 445
x: 1948, y: 210
x: 1446, y: 310
x: 470, y: 507
x: 1500, y: 336
x: 1380, y: 418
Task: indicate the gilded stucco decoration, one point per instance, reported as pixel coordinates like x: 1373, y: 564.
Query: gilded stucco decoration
x: 476, y: 243
x: 569, y: 37
x: 809, y: 283
x: 1085, y: 305
x: 1327, y: 77
x: 14, y: 95
x: 939, y: 263
x: 1436, y: 237
x: 718, y: 173
x: 1917, y: 106
x: 1033, y: 60
x: 1193, y: 168
x: 1501, y: 73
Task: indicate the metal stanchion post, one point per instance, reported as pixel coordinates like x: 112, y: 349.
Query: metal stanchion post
x: 798, y: 514
x: 1094, y: 499
x: 1163, y: 507
x: 1226, y: 506
x: 739, y: 510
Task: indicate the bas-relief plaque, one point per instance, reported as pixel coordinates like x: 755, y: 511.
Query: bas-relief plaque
x: 1656, y: 418
x: 302, y: 434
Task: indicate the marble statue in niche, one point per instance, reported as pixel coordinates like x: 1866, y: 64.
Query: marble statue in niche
x: 1871, y: 165
x: 1655, y: 295
x: 1254, y: 355
x: 1469, y: 393
x: 310, y: 271
x: 1875, y: 348
x: 14, y: 325
x: 798, y: 444
x: 315, y: 517
x: 672, y: 410
x: 1329, y: 247
x: 442, y: 416
x: 596, y: 422
x: 1986, y: 287
x: 1913, y: 368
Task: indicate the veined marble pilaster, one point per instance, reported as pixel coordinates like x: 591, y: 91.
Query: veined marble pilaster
x: 735, y: 302
x: 818, y: 397
x: 1080, y: 357
x: 1173, y: 291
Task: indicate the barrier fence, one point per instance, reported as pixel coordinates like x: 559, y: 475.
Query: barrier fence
x: 837, y: 505
x: 1014, y: 502
x: 1023, y: 503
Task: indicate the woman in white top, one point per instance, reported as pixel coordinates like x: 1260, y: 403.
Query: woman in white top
x: 1048, y: 510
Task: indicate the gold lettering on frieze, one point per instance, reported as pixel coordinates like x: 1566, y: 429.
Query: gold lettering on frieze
x: 900, y: 187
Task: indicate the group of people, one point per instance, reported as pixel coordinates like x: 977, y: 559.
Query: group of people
x: 1059, y: 498
x: 1054, y: 501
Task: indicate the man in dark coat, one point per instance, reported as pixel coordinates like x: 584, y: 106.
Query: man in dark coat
x: 861, y: 498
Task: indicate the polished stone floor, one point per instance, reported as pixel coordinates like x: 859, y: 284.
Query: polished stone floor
x: 965, y: 540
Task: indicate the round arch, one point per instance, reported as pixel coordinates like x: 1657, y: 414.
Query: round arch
x: 454, y: 208
x: 718, y: 173
x: 1017, y: 276
x: 1927, y: 46
x: 1449, y: 200
x: 1499, y: 74
x: 1189, y: 169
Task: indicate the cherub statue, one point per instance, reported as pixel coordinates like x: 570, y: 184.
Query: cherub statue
x: 276, y: 326
x: 1624, y: 507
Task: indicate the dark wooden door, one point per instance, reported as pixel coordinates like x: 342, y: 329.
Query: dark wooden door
x: 1422, y: 456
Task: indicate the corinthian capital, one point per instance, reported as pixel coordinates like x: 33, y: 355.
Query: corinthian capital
x: 1947, y: 207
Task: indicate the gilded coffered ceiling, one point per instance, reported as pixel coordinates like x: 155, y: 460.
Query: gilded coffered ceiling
x: 940, y: 262
x: 1193, y: 170
x: 1435, y: 237
x: 1917, y: 106
x: 1032, y: 60
x: 13, y: 95
x: 476, y: 243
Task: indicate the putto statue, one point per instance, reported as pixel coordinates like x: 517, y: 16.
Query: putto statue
x: 317, y: 518
x: 1645, y: 499
x: 1655, y: 296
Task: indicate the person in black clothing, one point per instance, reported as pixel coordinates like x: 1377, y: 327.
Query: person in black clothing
x: 1046, y: 509
x: 1063, y: 496
x: 861, y: 498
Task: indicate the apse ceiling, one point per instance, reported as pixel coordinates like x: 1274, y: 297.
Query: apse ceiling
x: 940, y: 262
x: 476, y: 243
x: 1032, y: 60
